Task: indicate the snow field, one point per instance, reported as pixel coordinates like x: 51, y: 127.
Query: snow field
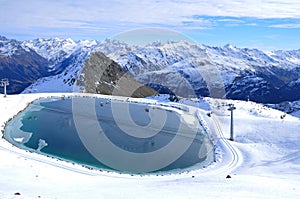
x: 263, y: 162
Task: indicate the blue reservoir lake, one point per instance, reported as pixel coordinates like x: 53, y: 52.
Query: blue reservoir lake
x: 110, y: 134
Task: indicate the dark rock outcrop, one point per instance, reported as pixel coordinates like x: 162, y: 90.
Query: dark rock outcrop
x: 102, y: 75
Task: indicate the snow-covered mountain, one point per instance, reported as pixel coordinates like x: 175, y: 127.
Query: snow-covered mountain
x: 54, y: 50
x: 41, y: 60
x: 20, y: 64
x: 79, y: 68
x: 9, y: 47
x: 185, y: 69
x: 57, y: 50
x: 243, y: 73
x: 64, y: 81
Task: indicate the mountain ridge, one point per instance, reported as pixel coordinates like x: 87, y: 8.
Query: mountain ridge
x: 237, y: 66
x: 267, y: 77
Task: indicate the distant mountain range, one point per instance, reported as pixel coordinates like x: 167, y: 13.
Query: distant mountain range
x: 185, y: 69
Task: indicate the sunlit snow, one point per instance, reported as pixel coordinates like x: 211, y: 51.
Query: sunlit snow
x: 262, y: 162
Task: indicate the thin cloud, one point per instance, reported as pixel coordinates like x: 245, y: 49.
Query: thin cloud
x: 231, y: 20
x: 288, y: 25
x: 252, y: 24
x: 272, y: 36
x: 45, y: 13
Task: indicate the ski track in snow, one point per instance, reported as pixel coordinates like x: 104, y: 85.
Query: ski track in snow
x: 231, y: 156
x: 235, y: 157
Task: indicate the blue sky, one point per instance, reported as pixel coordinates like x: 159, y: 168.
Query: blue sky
x: 263, y: 24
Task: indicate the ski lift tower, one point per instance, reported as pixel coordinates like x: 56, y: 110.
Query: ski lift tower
x: 231, y: 108
x: 4, y: 82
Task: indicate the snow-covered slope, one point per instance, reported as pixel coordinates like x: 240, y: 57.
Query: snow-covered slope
x: 64, y: 81
x: 262, y: 162
x: 67, y: 58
